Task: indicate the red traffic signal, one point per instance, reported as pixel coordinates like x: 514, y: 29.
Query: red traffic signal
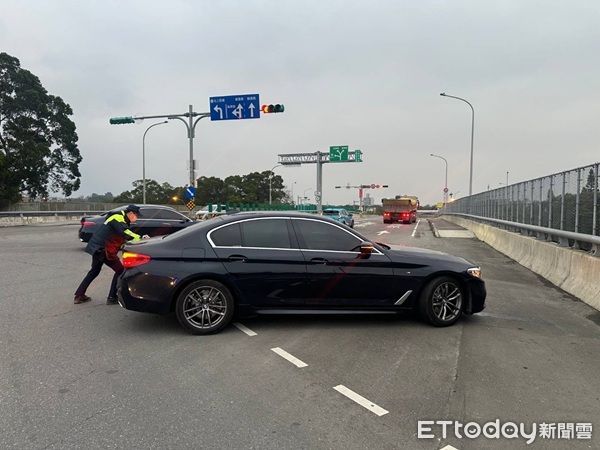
x: 268, y: 109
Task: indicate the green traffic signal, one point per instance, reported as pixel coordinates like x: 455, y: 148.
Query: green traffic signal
x: 121, y: 120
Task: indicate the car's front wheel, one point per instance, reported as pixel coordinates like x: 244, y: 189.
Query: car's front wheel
x: 204, y: 307
x: 441, y: 302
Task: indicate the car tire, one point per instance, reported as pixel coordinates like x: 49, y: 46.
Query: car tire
x: 442, y: 301
x: 204, y: 307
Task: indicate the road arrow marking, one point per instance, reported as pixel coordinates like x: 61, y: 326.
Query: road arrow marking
x: 382, y: 232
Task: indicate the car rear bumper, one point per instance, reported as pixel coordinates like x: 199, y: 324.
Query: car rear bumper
x: 84, y: 237
x: 145, y: 293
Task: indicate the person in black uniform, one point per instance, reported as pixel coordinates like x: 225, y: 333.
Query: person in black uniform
x: 104, y: 247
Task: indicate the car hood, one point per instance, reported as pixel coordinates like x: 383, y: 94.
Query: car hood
x: 399, y: 253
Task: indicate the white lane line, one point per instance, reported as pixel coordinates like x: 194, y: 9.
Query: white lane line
x: 448, y: 447
x: 415, y: 230
x: 246, y: 330
x: 285, y: 355
x: 360, y: 400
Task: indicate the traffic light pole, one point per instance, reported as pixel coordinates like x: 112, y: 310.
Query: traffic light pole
x: 190, y: 124
x: 191, y: 127
x: 360, y: 188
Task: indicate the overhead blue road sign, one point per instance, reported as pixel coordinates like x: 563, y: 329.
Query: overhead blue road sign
x: 189, y: 192
x: 235, y: 107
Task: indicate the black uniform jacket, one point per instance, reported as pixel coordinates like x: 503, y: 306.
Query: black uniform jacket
x: 111, y: 235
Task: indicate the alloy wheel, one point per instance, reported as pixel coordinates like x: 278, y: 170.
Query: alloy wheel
x: 447, y: 301
x: 204, y: 307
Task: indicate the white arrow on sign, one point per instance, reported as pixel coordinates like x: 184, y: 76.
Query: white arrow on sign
x: 219, y: 110
x: 251, y: 108
x: 382, y: 232
x: 237, y: 112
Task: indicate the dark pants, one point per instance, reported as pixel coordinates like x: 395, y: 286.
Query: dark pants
x: 98, y: 259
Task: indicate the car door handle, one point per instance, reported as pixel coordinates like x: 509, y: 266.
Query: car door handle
x: 240, y: 258
x: 318, y: 261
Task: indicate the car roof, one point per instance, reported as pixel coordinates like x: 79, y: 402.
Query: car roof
x: 141, y: 205
x: 232, y: 217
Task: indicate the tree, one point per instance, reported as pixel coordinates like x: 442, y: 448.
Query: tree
x: 38, y: 142
x: 160, y: 194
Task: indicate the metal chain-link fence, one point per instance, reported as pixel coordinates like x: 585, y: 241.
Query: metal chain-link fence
x: 563, y: 201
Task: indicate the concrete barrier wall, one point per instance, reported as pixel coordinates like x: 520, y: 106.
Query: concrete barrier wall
x: 574, y: 271
x: 16, y: 221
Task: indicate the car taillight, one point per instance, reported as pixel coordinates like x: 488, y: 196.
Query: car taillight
x: 131, y: 259
x: 387, y: 214
x: 86, y: 224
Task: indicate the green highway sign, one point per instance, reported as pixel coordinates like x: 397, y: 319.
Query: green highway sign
x: 338, y: 153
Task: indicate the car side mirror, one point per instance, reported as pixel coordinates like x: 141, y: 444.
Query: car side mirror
x: 366, y: 248
x: 350, y: 214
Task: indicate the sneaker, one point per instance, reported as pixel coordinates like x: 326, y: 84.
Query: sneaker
x: 111, y: 301
x: 81, y: 299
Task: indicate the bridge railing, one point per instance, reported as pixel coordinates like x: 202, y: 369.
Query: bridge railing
x: 563, y: 238
x: 566, y: 201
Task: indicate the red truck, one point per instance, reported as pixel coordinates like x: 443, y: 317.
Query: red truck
x: 403, y: 209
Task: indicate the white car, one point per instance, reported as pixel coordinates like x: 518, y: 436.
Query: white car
x: 206, y: 215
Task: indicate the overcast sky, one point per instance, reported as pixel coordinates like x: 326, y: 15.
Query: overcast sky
x: 363, y: 74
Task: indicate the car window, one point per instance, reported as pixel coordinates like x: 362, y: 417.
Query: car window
x: 167, y: 214
x: 330, y: 212
x: 267, y: 233
x: 319, y: 235
x: 228, y: 236
x: 149, y: 213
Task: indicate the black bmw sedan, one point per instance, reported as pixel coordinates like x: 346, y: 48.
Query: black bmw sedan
x: 287, y: 263
x: 156, y: 220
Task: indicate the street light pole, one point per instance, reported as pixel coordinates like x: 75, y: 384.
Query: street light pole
x: 443, y: 94
x: 270, y: 181
x: 507, y: 177
x: 144, y: 160
x: 446, y: 183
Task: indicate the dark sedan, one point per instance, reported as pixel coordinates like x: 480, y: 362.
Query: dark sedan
x: 156, y: 220
x: 285, y: 263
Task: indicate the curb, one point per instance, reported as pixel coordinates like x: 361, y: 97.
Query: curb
x: 434, y: 229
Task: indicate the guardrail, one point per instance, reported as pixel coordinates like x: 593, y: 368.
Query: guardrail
x: 562, y: 238
x: 48, y: 213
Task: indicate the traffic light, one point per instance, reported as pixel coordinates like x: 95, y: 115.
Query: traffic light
x: 121, y: 120
x: 268, y: 109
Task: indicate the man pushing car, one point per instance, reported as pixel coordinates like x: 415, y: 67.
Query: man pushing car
x: 104, y: 247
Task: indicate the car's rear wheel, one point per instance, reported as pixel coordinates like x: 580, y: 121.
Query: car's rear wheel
x: 441, y: 302
x: 204, y: 307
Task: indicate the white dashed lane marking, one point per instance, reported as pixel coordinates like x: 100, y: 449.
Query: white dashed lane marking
x: 415, y: 230
x: 285, y: 355
x: 246, y: 330
x: 361, y: 400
